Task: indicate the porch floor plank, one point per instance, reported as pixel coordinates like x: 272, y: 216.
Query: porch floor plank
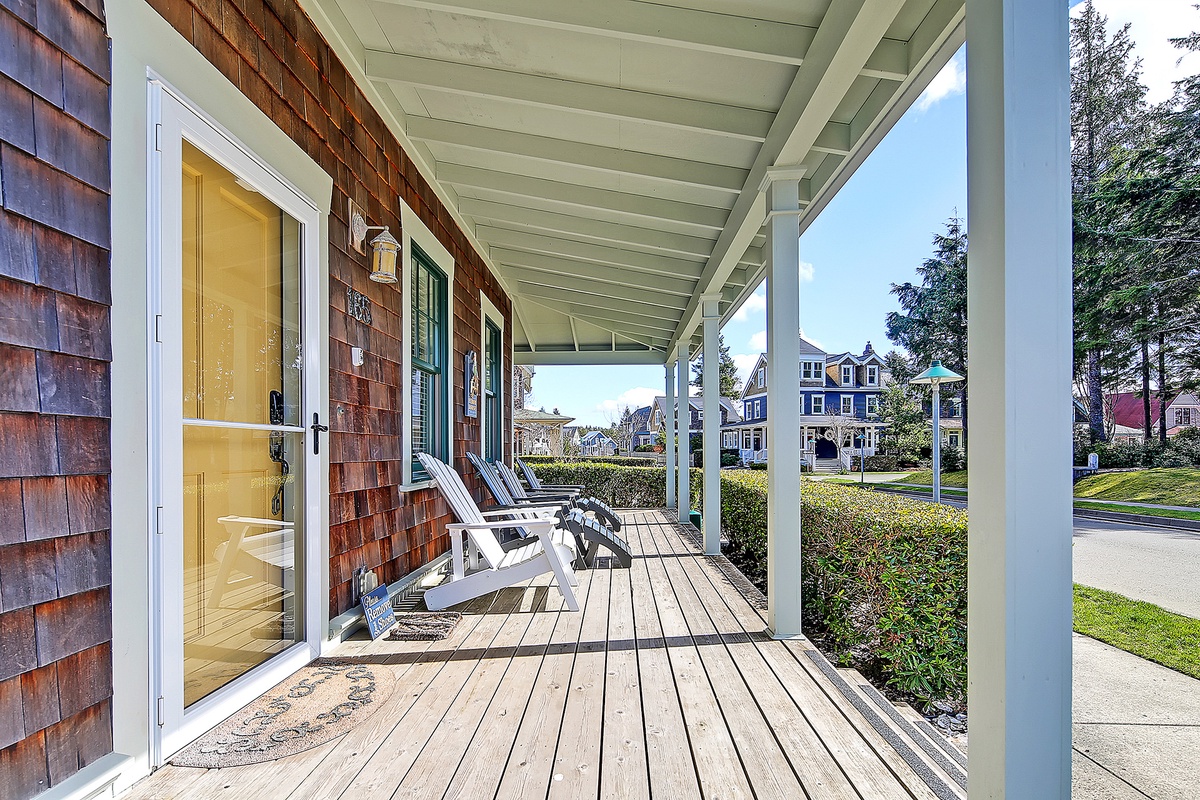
x: 664, y: 685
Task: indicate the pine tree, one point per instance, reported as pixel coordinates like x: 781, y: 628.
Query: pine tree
x: 933, y: 324
x: 1107, y: 107
x: 731, y: 384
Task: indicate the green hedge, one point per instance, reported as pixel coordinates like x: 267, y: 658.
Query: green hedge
x: 623, y: 461
x: 620, y: 486
x: 884, y: 578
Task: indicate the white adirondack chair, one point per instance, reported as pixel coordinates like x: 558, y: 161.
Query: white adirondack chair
x: 490, y: 567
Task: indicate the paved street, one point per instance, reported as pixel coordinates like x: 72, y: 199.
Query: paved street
x: 1158, y: 565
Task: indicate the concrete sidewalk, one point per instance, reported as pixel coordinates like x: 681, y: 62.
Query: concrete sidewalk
x: 1136, y: 727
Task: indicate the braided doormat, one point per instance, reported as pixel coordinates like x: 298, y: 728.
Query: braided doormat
x: 424, y: 626
x: 320, y: 702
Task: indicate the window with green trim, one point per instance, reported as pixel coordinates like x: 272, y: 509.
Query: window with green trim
x: 493, y: 391
x: 430, y: 354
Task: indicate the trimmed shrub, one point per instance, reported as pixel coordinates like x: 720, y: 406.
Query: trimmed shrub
x: 884, y: 578
x: 624, y: 461
x: 619, y: 485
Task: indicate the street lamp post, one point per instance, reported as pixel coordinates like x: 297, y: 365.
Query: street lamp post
x: 935, y: 376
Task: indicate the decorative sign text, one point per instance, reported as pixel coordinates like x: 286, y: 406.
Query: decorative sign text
x: 358, y: 305
x: 377, y: 608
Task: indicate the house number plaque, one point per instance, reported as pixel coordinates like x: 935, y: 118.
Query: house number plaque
x: 358, y: 305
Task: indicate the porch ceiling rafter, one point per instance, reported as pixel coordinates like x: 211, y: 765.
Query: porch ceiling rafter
x: 579, y: 270
x: 587, y: 227
x: 585, y: 98
x: 583, y: 283
x: 504, y: 238
x: 563, y: 151
x: 585, y: 197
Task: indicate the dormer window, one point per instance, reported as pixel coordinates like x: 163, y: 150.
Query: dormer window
x: 1183, y: 416
x: 810, y: 370
x: 872, y: 376
x: 847, y: 375
x: 762, y: 378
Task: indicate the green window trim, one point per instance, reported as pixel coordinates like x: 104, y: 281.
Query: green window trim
x: 429, y: 353
x: 493, y: 392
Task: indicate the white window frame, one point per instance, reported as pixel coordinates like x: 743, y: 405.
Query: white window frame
x: 762, y: 377
x: 872, y: 404
x: 487, y: 311
x: 954, y: 438
x: 413, y: 230
x: 847, y: 368
x: 844, y: 403
x: 872, y: 375
x: 818, y: 404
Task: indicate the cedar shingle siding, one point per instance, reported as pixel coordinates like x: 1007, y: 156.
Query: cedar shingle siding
x: 274, y: 54
x: 55, y: 567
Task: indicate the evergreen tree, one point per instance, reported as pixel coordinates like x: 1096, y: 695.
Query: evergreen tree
x: 933, y: 323
x: 1107, y: 115
x: 731, y: 384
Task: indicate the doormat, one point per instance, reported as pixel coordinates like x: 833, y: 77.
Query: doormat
x: 424, y: 626
x: 319, y: 702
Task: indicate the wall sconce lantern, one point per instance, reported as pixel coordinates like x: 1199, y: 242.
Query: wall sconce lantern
x: 385, y: 249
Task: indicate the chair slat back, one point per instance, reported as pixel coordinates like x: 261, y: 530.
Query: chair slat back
x: 510, y: 480
x: 492, y: 480
x: 530, y: 476
x: 463, y: 506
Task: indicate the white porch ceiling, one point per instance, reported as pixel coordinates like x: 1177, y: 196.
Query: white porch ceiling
x: 606, y: 155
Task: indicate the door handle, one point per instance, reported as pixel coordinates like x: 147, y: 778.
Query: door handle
x: 317, y: 429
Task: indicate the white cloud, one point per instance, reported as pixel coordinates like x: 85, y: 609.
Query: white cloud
x: 758, y: 342
x: 810, y: 339
x: 633, y: 398
x: 744, y: 364
x: 755, y: 303
x: 806, y: 272
x: 951, y: 81
x: 1152, y: 24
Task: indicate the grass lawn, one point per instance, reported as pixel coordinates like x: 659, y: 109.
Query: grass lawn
x: 1168, y: 487
x: 1140, y: 628
x: 925, y: 477
x: 1149, y: 512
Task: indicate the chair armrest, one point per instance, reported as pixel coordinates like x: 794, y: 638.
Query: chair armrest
x: 522, y: 509
x: 539, y: 523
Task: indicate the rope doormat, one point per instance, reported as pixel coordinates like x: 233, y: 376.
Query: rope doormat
x: 424, y: 626
x: 319, y: 702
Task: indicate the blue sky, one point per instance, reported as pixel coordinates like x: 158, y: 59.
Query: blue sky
x: 877, y: 230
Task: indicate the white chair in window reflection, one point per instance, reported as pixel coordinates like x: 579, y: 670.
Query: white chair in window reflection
x: 267, y: 556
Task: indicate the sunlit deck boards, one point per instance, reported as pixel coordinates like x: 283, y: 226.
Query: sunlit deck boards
x: 662, y: 686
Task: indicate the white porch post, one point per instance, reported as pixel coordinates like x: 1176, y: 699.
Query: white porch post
x: 669, y: 432
x: 710, y: 307
x: 783, y: 400
x: 1019, y: 304
x: 684, y: 496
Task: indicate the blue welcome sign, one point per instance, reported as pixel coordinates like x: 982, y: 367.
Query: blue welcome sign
x: 377, y: 608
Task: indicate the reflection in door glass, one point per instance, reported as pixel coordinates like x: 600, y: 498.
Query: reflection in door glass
x: 241, y: 365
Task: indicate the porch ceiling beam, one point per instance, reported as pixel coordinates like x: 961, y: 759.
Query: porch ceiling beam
x: 650, y: 326
x: 890, y: 61
x: 587, y: 227
x: 568, y: 295
x: 592, y: 286
x: 745, y: 37
x: 585, y: 98
x: 645, y: 336
x: 849, y: 34
x: 588, y: 357
x: 635, y: 205
x: 570, y: 269
x: 834, y: 138
x: 584, y: 251
x: 591, y: 156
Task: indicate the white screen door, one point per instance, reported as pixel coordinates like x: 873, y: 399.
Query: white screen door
x: 236, y: 256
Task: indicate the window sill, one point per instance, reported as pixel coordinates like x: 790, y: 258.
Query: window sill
x: 417, y: 486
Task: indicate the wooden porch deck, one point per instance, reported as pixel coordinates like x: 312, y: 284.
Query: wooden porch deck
x: 664, y: 685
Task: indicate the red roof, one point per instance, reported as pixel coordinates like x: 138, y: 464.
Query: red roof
x: 1129, y: 410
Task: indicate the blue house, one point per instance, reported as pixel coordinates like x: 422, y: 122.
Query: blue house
x: 839, y: 404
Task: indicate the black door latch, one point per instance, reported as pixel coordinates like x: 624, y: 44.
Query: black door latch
x: 317, y: 428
